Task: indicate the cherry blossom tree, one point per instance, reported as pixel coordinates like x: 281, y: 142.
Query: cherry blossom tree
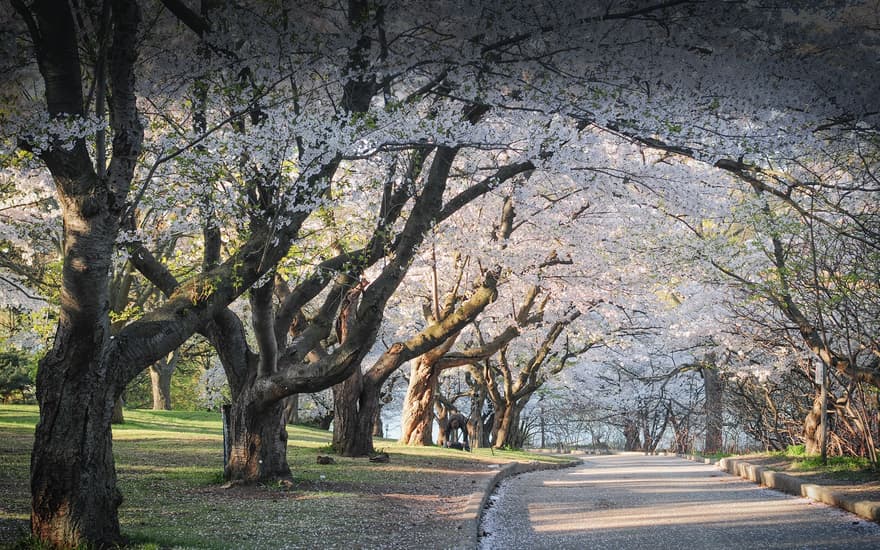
x: 296, y: 96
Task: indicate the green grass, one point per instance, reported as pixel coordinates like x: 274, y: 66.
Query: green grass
x: 795, y: 451
x: 834, y: 464
x: 852, y: 468
x: 169, y: 469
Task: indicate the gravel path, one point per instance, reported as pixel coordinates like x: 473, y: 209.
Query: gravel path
x: 636, y: 501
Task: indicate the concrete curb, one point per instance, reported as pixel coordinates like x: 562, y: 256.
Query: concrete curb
x: 868, y: 509
x: 473, y: 510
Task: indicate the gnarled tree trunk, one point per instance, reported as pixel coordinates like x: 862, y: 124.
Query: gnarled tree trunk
x: 258, y: 442
x: 73, y: 477
x: 507, y: 422
x: 812, y: 427
x: 417, y: 423
x: 356, y: 404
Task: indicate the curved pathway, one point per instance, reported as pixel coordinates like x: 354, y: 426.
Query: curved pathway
x: 637, y: 501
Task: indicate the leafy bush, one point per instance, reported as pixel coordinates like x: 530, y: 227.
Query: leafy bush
x: 18, y: 370
x: 795, y: 451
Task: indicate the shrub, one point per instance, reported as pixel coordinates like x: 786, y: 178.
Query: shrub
x: 795, y: 450
x: 18, y: 370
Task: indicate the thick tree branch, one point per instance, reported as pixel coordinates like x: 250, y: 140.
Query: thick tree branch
x: 188, y: 17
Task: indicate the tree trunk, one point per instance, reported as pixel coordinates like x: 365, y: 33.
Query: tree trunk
x: 417, y: 423
x: 378, y: 425
x: 326, y: 420
x: 812, y: 425
x: 355, y: 402
x: 160, y: 381
x: 118, y: 412
x: 632, y: 439
x: 73, y: 477
x: 475, y: 418
x: 714, y: 411
x: 488, y: 424
x: 442, y: 422
x: 291, y: 409
x: 258, y: 442
x: 508, y: 427
x: 681, y: 434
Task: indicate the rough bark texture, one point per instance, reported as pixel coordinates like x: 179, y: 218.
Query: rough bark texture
x: 477, y: 433
x: 507, y: 434
x: 417, y: 422
x: 378, y: 425
x: 118, y: 412
x: 356, y: 403
x: 442, y: 422
x: 160, y: 382
x: 812, y: 428
x: 73, y: 477
x: 259, y: 443
x: 291, y: 409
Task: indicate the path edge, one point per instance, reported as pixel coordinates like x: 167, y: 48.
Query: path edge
x: 473, y: 510
x: 867, y: 509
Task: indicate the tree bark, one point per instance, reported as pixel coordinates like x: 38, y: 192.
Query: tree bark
x: 714, y: 411
x: 812, y: 427
x: 160, y: 383
x: 442, y: 414
x: 291, y: 409
x: 378, y: 425
x: 356, y: 402
x: 73, y: 477
x: 259, y: 442
x: 118, y: 412
x: 632, y: 439
x: 508, y: 431
x: 417, y: 422
x: 476, y: 427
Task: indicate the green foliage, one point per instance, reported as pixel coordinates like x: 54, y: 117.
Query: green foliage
x: 184, y: 388
x: 130, y: 313
x: 18, y: 370
x: 795, y: 451
x: 835, y: 464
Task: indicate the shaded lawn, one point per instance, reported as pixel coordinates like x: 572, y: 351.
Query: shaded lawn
x: 169, y: 466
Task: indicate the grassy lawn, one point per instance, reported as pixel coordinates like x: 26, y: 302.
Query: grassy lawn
x: 851, y: 468
x: 169, y: 466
